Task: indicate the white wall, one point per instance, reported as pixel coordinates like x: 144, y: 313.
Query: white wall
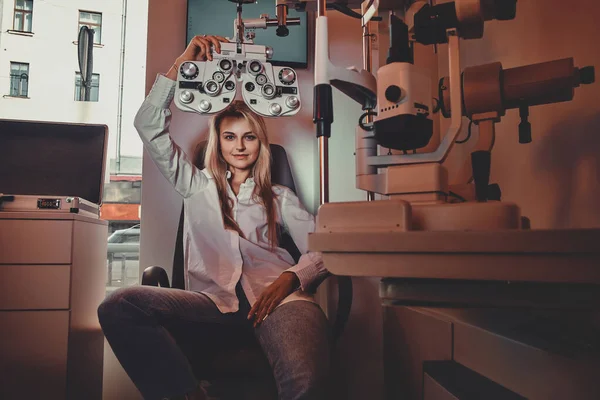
x: 52, y: 57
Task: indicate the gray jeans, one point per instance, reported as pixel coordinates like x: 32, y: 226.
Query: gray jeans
x: 149, y: 330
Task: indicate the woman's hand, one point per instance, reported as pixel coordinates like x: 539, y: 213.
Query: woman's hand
x: 197, y: 50
x: 272, y: 296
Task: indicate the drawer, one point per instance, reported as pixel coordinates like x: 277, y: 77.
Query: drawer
x: 34, y: 287
x: 25, y: 241
x: 33, y: 346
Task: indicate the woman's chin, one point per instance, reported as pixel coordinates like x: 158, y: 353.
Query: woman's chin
x: 241, y: 165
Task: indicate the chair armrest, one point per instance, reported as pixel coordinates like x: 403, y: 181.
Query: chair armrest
x: 155, y: 276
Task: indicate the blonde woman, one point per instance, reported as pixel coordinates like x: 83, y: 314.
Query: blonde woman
x: 238, y: 281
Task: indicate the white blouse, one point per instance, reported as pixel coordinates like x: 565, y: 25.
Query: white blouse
x: 215, y: 258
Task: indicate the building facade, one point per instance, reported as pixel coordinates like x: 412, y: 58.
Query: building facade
x: 39, y: 68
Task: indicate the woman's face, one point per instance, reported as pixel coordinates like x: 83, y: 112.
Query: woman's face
x: 239, y: 145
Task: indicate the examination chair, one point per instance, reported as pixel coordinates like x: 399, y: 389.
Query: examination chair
x: 241, y: 371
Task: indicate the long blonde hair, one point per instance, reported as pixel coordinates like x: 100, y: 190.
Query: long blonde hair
x: 261, y: 171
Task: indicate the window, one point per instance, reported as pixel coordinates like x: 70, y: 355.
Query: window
x: 94, y: 93
x: 23, y: 15
x: 91, y: 20
x: 19, y: 79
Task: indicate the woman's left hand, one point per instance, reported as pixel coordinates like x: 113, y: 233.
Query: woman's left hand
x: 272, y: 296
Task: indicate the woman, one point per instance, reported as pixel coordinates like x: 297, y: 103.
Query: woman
x: 237, y: 278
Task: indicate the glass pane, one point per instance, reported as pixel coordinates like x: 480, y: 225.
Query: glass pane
x: 96, y: 92
x: 97, y: 31
x: 29, y: 5
x: 14, y: 86
x: 20, y: 4
x: 27, y: 27
x: 95, y: 80
x: 97, y: 18
x: 18, y: 26
x: 84, y: 16
x: 24, y: 87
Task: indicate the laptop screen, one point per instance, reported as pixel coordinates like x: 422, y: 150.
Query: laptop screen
x: 48, y: 158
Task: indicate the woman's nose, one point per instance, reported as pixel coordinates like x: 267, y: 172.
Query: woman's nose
x: 240, y: 145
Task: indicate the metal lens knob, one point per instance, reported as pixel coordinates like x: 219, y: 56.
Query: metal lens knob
x: 261, y: 79
x: 204, y: 106
x: 292, y: 102
x: 255, y: 67
x: 269, y: 52
x: 219, y: 76
x: 287, y: 76
x: 189, y: 70
x: 186, y: 97
x: 211, y: 87
x: 268, y: 91
x: 229, y: 85
x: 225, y: 65
x: 275, y: 109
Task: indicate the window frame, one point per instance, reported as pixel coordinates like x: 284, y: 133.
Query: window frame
x: 91, y: 25
x: 19, y: 91
x: 78, y: 75
x: 23, y: 12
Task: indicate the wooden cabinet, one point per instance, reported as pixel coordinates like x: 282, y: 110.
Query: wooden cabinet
x: 52, y: 277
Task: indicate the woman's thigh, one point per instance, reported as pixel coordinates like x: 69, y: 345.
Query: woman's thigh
x: 296, y: 340
x: 162, y: 305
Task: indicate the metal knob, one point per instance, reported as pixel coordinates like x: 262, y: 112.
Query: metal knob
x: 186, y: 97
x: 204, y: 106
x: 292, y: 102
x: 275, y: 109
x: 211, y: 87
x: 268, y: 91
x: 269, y: 52
x: 255, y: 67
x: 189, y: 70
x: 287, y: 76
x: 225, y: 65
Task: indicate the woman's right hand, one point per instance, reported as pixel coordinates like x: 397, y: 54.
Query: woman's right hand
x: 199, y: 48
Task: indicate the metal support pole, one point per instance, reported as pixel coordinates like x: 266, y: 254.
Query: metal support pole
x: 324, y: 169
x: 367, y: 66
x: 323, y: 106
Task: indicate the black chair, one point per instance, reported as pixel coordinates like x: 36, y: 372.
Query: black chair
x: 242, y: 371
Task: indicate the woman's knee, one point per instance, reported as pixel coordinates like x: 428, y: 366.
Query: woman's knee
x: 112, y: 309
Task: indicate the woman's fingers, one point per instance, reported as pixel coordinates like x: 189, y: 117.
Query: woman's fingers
x: 261, y: 312
x: 267, y: 308
x: 255, y: 308
x: 205, y: 49
x: 215, y: 42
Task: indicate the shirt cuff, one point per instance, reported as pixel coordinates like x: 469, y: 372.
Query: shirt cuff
x: 309, y: 270
x: 162, y: 92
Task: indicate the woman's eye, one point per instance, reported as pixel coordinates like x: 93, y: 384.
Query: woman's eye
x: 229, y: 137
x: 250, y: 137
